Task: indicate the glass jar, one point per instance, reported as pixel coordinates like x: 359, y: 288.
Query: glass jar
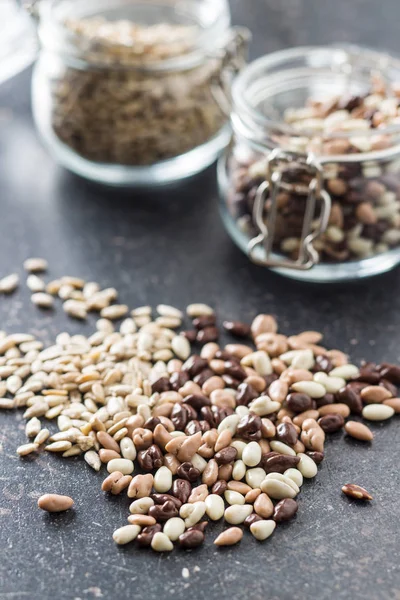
x: 310, y: 185
x: 125, y: 92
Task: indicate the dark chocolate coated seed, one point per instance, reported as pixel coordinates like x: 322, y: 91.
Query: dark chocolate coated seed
x: 391, y: 373
x: 287, y: 433
x: 162, y: 498
x: 225, y: 356
x: 179, y: 416
x: 235, y: 370
x: 204, y: 426
x: 181, y: 489
x: 331, y: 423
x: 178, y: 379
x: 251, y: 519
x: 317, y: 457
x: 230, y: 381
x: 221, y: 413
x: 249, y: 427
x: 196, y: 401
x: 191, y: 539
x: 350, y: 103
x: 187, y: 471
x: 204, y: 321
x: 190, y: 335
x: 152, y: 423
x: 279, y: 463
x: 389, y: 386
x: 194, y: 365
x: 237, y: 328
x: 163, y: 512
x: 150, y: 459
x: 219, y: 487
x: 199, y: 526
x: 285, y: 510
x: 349, y: 396
x: 161, y: 385
x: 327, y: 399
x: 208, y: 415
x: 145, y: 538
x: 207, y: 335
x: 298, y: 402
x: 202, y: 377
x: 192, y: 427
x: 245, y: 394
x: 322, y: 363
x: 226, y: 455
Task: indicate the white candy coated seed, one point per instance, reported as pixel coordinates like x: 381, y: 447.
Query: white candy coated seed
x: 162, y: 480
x: 277, y: 489
x: 262, y: 529
x: 192, y: 513
x: 261, y: 363
x: 230, y: 422
x: 198, y: 309
x: 242, y: 411
x: 282, y: 448
x: 304, y: 359
x: 199, y: 462
x: 128, y: 449
x: 377, y: 412
x: 215, y: 507
x: 294, y: 475
x: 161, y: 542
x: 240, y: 446
x: 181, y: 347
x: 255, y: 476
x: 252, y: 454
x: 311, y: 388
x: 126, y: 534
x: 174, y: 527
x: 239, y: 470
x: 237, y: 513
x: 124, y: 465
x: 233, y: 497
x: 331, y: 384
x: 345, y: 371
x: 263, y: 406
x: 307, y: 466
x: 288, y: 481
x: 141, y: 506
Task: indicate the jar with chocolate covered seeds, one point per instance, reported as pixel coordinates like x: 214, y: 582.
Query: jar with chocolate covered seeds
x: 310, y: 185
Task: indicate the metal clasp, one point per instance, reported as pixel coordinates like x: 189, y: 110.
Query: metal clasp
x: 233, y: 58
x: 277, y: 164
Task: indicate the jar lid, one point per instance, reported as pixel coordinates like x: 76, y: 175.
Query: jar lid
x: 17, y: 39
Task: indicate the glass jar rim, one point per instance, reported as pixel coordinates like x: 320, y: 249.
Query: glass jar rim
x: 54, y: 35
x: 245, y: 112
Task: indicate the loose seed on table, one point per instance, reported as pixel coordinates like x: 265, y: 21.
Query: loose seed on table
x: 55, y: 502
x: 237, y: 513
x: 307, y: 466
x: 35, y: 265
x: 285, y: 510
x: 359, y: 431
x: 124, y: 465
x: 355, y: 491
x: 262, y: 530
x: 161, y: 542
x: 377, y: 412
x: 126, y: 534
x: 173, y: 528
x: 229, y: 537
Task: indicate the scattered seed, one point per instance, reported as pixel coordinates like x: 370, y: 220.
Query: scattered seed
x: 359, y: 431
x: 42, y: 300
x: 35, y: 284
x: 377, y: 412
x: 35, y: 265
x: 9, y: 284
x: 125, y: 535
x: 229, y: 537
x: 26, y: 449
x: 355, y: 491
x: 115, y: 311
x: 55, y: 502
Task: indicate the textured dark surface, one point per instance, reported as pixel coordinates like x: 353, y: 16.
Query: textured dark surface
x: 171, y: 246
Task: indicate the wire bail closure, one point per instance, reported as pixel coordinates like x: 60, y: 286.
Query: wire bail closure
x: 277, y: 163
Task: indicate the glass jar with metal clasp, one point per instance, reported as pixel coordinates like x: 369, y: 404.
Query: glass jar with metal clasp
x: 125, y: 92
x: 310, y: 184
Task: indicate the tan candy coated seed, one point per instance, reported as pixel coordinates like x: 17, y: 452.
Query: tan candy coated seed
x: 359, y: 431
x: 55, y: 502
x: 229, y: 537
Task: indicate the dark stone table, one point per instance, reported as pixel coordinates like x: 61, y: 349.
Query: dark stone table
x: 171, y: 246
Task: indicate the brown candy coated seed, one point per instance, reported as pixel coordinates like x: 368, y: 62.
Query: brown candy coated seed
x: 55, y: 502
x: 278, y: 463
x: 298, y: 402
x: 144, y: 538
x: 351, y: 398
x: 237, y: 328
x: 356, y: 491
x: 219, y: 487
x: 197, y: 401
x: 188, y: 471
x: 331, y: 423
x: 226, y: 455
x: 163, y: 512
x: 191, y: 539
x: 252, y: 519
x: 207, y: 335
x: 204, y: 321
x: 285, y: 510
x: 287, y: 433
x: 317, y: 457
x: 181, y: 489
x: 162, y: 498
